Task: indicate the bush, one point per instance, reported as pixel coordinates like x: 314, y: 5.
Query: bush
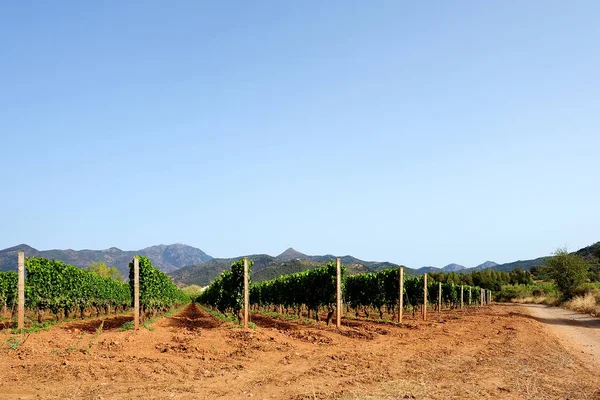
x: 569, y: 271
x: 543, y: 292
x: 537, y: 292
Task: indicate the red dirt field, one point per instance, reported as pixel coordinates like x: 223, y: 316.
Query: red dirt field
x: 497, y: 351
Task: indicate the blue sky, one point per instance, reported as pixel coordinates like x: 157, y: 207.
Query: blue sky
x: 421, y: 133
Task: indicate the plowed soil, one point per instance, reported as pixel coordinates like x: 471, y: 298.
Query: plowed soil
x: 494, y: 351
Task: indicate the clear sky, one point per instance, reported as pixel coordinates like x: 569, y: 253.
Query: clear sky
x: 421, y: 133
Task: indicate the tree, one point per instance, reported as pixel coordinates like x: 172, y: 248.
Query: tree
x: 567, y: 270
x: 101, y: 269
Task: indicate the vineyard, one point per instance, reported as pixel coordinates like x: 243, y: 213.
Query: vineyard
x: 157, y: 292
x: 53, y: 290
x: 293, y: 349
x: 315, y: 289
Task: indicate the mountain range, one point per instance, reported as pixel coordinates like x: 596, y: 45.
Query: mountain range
x: 166, y: 258
x: 189, y: 265
x: 458, y: 268
x: 269, y: 267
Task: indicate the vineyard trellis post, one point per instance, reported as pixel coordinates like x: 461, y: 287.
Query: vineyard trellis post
x: 440, y: 296
x: 481, y: 297
x: 136, y: 293
x: 246, y: 293
x: 338, y: 321
x: 21, y: 288
x: 470, y: 298
x: 401, y: 295
x: 462, y: 301
x: 424, y: 297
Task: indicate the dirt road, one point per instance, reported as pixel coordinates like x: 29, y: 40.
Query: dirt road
x: 579, y: 333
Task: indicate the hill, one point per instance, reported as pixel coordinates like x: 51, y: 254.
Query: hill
x: 591, y: 253
x: 291, y: 254
x: 426, y: 270
x: 167, y: 258
x: 267, y: 267
x: 486, y: 265
x: 453, y: 268
x: 447, y: 268
x: 525, y: 265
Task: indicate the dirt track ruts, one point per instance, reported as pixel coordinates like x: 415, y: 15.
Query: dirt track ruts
x: 579, y: 333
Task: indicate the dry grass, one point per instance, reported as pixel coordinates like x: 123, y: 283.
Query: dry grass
x: 585, y: 304
x: 548, y: 300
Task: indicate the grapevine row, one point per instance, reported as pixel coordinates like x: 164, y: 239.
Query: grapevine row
x: 64, y: 289
x: 313, y: 288
x: 381, y: 289
x: 227, y: 291
x: 157, y: 292
x: 67, y: 291
x: 316, y: 288
x: 8, y: 291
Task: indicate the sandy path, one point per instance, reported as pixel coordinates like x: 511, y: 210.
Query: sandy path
x: 579, y: 333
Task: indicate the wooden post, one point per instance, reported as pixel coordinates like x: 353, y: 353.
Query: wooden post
x: 246, y: 293
x: 462, y: 299
x: 440, y: 296
x: 21, y: 289
x: 470, y: 298
x: 136, y: 293
x: 338, y: 321
x: 424, y: 297
x: 481, y: 298
x: 401, y: 295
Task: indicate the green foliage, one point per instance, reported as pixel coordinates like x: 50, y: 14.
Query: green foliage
x: 313, y: 288
x: 14, y: 341
x: 486, y: 279
x: 56, y: 286
x: 192, y: 291
x: 227, y: 291
x: 222, y: 316
x: 517, y: 292
x: 317, y: 287
x: 8, y: 288
x: 104, y: 271
x: 366, y: 290
x: 157, y: 291
x: 568, y: 270
x: 450, y: 293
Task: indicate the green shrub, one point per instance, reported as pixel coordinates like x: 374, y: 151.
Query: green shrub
x: 569, y: 271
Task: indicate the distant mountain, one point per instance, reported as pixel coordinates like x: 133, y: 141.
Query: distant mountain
x: 590, y: 253
x: 486, y: 265
x: 174, y: 256
x: 525, y: 265
x: 426, y: 270
x: 167, y: 258
x: 189, y: 265
x: 267, y: 267
x: 447, y: 268
x: 291, y: 254
x: 453, y: 268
